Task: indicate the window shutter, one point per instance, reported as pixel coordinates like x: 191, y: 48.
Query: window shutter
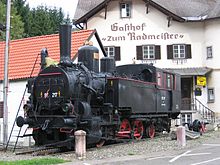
x: 117, y: 54
x: 188, y: 51
x: 169, y: 51
x: 157, y: 52
x: 139, y: 52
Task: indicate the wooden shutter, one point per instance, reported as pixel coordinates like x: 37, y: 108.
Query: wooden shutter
x: 139, y: 52
x: 188, y: 51
x: 117, y: 54
x: 157, y: 52
x: 169, y: 51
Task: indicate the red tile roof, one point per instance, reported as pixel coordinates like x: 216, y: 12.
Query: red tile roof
x: 23, y: 52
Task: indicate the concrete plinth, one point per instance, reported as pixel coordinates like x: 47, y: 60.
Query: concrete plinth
x: 80, y: 144
x: 181, y: 136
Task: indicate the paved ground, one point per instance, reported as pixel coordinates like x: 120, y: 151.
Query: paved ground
x: 206, y: 153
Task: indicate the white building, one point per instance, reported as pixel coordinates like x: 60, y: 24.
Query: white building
x: 181, y: 36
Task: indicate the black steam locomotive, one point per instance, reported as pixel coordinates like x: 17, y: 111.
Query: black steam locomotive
x: 128, y: 101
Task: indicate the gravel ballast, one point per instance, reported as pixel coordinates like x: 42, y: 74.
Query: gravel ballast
x: 143, y: 147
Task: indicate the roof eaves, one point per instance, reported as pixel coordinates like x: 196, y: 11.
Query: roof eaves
x: 200, y: 20
x: 165, y: 11
x: 92, y: 12
x: 98, y: 8
x: 100, y: 43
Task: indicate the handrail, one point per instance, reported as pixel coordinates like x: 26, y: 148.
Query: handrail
x: 206, y: 112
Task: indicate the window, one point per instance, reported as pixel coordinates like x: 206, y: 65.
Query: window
x: 148, y: 52
x: 168, y: 81
x: 159, y: 79
x: 209, y: 51
x: 110, y: 51
x: 186, y: 118
x: 179, y: 51
x: 113, y: 51
x: 211, y: 95
x: 125, y: 9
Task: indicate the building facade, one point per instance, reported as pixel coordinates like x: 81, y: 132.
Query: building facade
x: 168, y: 34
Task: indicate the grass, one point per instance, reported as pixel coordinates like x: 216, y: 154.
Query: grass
x: 38, y: 161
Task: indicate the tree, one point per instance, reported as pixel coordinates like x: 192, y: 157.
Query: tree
x: 57, y: 18
x: 67, y: 20
x: 41, y: 20
x: 24, y: 11
x: 26, y: 22
x: 17, y: 26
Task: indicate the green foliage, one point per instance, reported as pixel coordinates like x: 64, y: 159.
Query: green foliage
x: 24, y: 11
x: 17, y: 26
x: 26, y: 22
x: 42, y: 20
x: 67, y: 20
x: 41, y: 161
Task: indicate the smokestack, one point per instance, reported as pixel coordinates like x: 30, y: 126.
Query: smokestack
x: 65, y: 44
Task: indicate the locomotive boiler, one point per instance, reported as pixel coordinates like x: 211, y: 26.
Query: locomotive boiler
x: 107, y: 102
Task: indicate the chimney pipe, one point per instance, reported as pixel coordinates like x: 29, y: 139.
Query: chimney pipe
x: 65, y: 44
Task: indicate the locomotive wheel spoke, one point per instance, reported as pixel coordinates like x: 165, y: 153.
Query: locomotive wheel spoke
x: 125, y: 125
x: 150, y: 131
x: 138, y: 129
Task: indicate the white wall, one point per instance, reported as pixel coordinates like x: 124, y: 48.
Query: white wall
x: 15, y: 93
x: 212, y: 31
x: 198, y: 34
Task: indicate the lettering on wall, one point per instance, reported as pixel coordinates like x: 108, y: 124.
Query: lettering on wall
x: 133, y: 32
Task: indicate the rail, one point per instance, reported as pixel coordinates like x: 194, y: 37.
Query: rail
x: 204, y: 111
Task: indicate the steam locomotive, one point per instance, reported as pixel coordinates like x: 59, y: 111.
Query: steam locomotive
x: 128, y: 101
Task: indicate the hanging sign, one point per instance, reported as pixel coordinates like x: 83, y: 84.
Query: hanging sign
x: 201, y: 80
x: 198, y: 92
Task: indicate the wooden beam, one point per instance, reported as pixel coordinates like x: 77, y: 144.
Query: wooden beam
x: 147, y: 6
x: 106, y: 5
x: 169, y: 18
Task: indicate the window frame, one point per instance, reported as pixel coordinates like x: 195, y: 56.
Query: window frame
x: 150, y: 52
x: 127, y: 8
x: 209, y: 52
x: 211, y: 97
x: 108, y: 51
x: 186, y: 118
x: 160, y: 79
x: 168, y: 81
x: 177, y: 54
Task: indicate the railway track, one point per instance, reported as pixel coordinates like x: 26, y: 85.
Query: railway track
x: 50, y: 149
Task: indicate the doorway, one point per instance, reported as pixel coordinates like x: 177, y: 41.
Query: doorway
x: 186, y: 90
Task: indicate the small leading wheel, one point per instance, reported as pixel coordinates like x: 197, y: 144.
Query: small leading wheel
x: 138, y: 129
x: 150, y: 131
